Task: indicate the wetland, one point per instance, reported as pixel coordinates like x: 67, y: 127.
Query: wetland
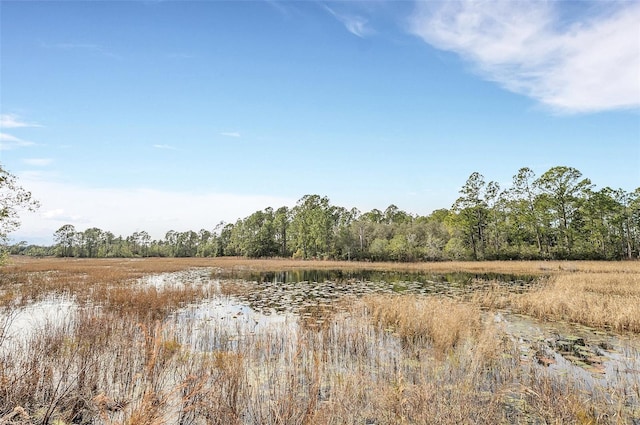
x: 276, y: 342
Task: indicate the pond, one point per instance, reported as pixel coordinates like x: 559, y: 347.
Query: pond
x: 18, y: 325
x: 315, y: 276
x: 318, y: 291
x: 246, y: 304
x: 249, y: 302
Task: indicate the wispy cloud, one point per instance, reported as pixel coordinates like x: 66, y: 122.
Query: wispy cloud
x: 165, y: 147
x: 230, y: 134
x: 587, y: 65
x: 83, y: 47
x: 8, y: 142
x: 279, y: 6
x: 356, y: 25
x: 53, y: 213
x: 179, y: 56
x: 38, y: 162
x: 14, y: 121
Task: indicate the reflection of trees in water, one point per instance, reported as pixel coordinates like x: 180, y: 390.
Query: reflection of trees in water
x: 374, y: 276
x: 316, y: 295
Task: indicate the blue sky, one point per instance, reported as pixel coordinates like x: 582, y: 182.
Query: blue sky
x: 176, y: 115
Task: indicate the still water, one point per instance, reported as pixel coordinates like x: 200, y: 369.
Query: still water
x: 243, y: 304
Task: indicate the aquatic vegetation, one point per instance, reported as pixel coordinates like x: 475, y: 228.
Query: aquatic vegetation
x: 196, y: 346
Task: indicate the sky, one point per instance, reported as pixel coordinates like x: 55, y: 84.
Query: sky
x: 177, y: 115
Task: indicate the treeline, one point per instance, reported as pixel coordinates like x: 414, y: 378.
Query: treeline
x: 558, y: 215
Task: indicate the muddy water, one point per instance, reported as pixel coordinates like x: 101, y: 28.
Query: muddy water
x: 223, y: 322
x: 429, y: 282
x: 285, y: 301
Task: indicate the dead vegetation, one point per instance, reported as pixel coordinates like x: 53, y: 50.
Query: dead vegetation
x: 135, y: 267
x: 609, y: 300
x: 124, y: 358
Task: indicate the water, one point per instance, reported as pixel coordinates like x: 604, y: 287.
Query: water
x: 179, y: 279
x: 222, y: 322
x: 600, y: 359
x: 382, y: 276
x: 19, y: 325
x: 247, y: 305
x: 596, y: 358
x: 321, y: 292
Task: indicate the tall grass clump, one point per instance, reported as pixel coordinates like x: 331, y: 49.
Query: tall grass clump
x: 603, y: 300
x: 441, y: 322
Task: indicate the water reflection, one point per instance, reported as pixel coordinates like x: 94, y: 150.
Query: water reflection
x: 222, y: 322
x: 319, y: 276
x: 178, y: 279
x: 318, y: 293
x: 316, y: 296
x: 597, y: 359
x: 243, y: 305
x: 19, y: 325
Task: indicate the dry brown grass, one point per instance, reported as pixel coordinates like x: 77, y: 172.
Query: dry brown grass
x: 601, y: 294
x: 606, y: 300
x: 146, y: 302
x: 603, y: 300
x: 108, y: 369
x: 132, y: 267
x: 386, y: 360
x: 106, y: 282
x: 441, y: 322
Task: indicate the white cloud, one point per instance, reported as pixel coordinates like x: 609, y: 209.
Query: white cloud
x: 582, y: 66
x: 83, y: 47
x: 230, y: 134
x: 166, y: 147
x: 14, y: 121
x: 8, y: 142
x: 356, y: 25
x: 59, y: 214
x: 124, y: 211
x: 53, y: 213
x: 38, y: 162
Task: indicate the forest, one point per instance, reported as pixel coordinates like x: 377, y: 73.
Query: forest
x: 557, y: 215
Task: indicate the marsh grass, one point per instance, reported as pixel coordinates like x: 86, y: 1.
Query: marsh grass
x: 607, y: 300
x: 150, y: 302
x: 124, y: 358
x: 610, y: 301
x: 18, y: 267
x: 435, y: 321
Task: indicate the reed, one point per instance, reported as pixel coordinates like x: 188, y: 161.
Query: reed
x: 124, y: 355
x: 440, y: 322
x: 609, y: 301
x: 107, y: 369
x: 128, y: 268
x: 605, y: 300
